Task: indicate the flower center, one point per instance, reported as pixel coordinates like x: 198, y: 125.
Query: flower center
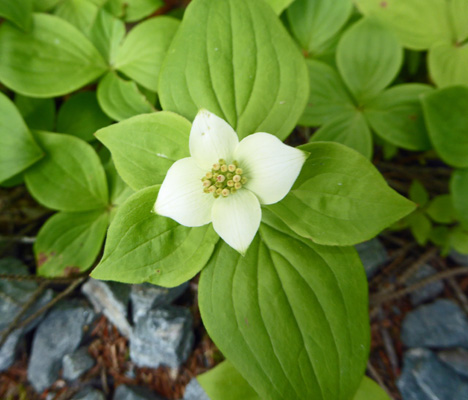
x: 223, y: 179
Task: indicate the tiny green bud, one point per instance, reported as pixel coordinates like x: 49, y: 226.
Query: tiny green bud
x: 219, y: 191
x: 237, y: 178
x: 237, y: 185
x: 232, y: 168
x: 230, y: 183
x: 206, y: 183
x: 229, y: 176
x: 209, y: 175
x: 219, y: 184
x: 233, y: 190
x: 216, y: 167
x: 212, y: 189
x: 224, y: 168
x: 244, y: 180
x: 220, y: 178
x: 225, y: 192
x: 239, y: 171
x: 222, y: 161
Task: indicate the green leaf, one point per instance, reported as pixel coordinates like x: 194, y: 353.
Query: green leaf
x: 18, y: 150
x: 141, y: 54
x: 340, y: 198
x: 119, y: 191
x: 441, y: 210
x: 37, y: 113
x: 53, y: 59
x: 235, y: 59
x: 145, y: 146
x: 224, y: 382
x: 70, y: 177
x: 440, y: 236
x: 418, y: 193
x: 458, y: 10
x: 107, y: 34
x: 328, y: 97
x: 80, y: 13
x: 350, y: 129
x: 411, y: 20
x: 70, y: 242
x: 44, y: 5
x: 279, y: 5
x: 368, y: 58
x: 459, y: 192
x: 81, y: 116
x: 420, y: 226
x: 315, y: 23
x: 142, y: 246
x: 447, y: 64
x: 133, y: 10
x: 17, y: 11
x: 369, y: 390
x: 396, y: 116
x: 459, y: 240
x: 446, y: 116
x: 121, y: 99
x: 291, y: 315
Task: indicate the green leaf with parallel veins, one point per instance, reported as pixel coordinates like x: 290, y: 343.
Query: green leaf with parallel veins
x: 145, y: 146
x: 121, y: 99
x: 458, y: 10
x: 119, y: 191
x: 459, y: 240
x: 224, y: 382
x: 328, y: 97
x: 441, y: 210
x: 81, y: 116
x: 235, y: 59
x: 369, y: 390
x: 142, y: 52
x: 396, y: 116
x: 279, y: 5
x: 291, y: 315
x: 340, y: 198
x: 447, y: 64
x: 315, y: 23
x: 18, y: 150
x: 420, y: 226
x: 70, y: 242
x: 53, y: 59
x: 70, y: 177
x: 142, y: 246
x: 418, y: 193
x: 350, y: 129
x: 80, y: 13
x: 410, y: 20
x: 369, y: 57
x: 17, y: 11
x: 446, y: 116
x: 133, y: 10
x: 44, y: 5
x: 459, y: 192
x: 37, y: 113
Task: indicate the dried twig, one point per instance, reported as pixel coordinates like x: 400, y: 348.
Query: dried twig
x: 376, y: 376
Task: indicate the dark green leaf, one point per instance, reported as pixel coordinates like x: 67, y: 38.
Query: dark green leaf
x: 420, y: 226
x: 418, y: 193
x: 37, y: 113
x: 17, y: 11
x: 459, y: 191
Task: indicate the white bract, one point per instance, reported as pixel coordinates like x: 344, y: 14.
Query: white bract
x: 225, y: 181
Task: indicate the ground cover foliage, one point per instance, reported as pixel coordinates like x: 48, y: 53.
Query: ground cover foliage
x: 96, y: 105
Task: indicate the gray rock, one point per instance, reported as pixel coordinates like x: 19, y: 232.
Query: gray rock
x: 425, y: 378
x: 459, y: 258
x: 60, y: 333
x: 457, y: 359
x: 373, y: 256
x: 89, y: 394
x: 9, y: 349
x: 194, y: 391
x: 76, y: 364
x: 164, y: 337
x: 110, y: 298
x: 427, y: 292
x: 146, y: 296
x: 461, y: 393
x: 441, y: 324
x: 124, y: 392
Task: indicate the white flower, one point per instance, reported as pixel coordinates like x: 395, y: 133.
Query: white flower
x: 225, y: 181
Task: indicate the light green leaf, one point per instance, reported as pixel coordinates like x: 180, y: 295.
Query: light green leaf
x: 350, y: 129
x: 142, y: 246
x: 315, y: 23
x: 420, y: 226
x: 458, y: 10
x: 368, y: 58
x: 17, y: 11
x: 328, y: 97
x: 441, y: 210
x: 396, y: 116
x: 224, y: 382
x: 445, y: 111
x: 418, y: 193
x: 70, y: 242
x: 369, y: 390
x: 291, y: 315
x: 37, y: 113
x: 80, y: 13
x: 459, y: 240
x: 81, y: 116
x: 447, y: 64
x: 119, y: 191
x: 235, y: 59
x: 18, y: 150
x: 133, y: 10
x: 145, y: 146
x: 53, y: 59
x: 107, y: 34
x: 340, y: 198
x: 417, y: 23
x: 141, y: 54
x: 70, y: 177
x: 121, y: 99
x: 279, y: 5
x: 459, y: 191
